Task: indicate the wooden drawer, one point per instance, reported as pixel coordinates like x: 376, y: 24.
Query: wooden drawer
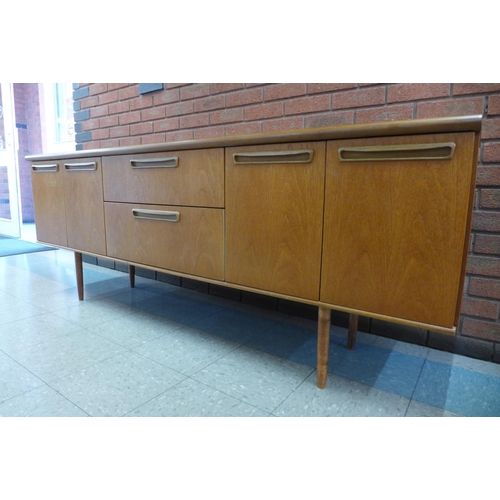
x: 183, y: 239
x: 190, y: 178
x: 274, y: 217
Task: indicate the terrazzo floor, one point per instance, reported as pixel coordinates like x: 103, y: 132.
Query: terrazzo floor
x: 159, y: 350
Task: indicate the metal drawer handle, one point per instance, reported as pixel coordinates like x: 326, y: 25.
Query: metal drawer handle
x: 156, y: 163
x: 45, y: 168
x: 77, y: 167
x: 156, y: 215
x: 262, y: 157
x: 439, y: 151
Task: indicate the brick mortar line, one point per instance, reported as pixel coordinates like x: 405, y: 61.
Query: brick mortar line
x: 480, y: 318
x: 479, y: 297
x: 491, y: 299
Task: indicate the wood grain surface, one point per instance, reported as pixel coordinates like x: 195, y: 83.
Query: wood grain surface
x: 395, y: 230
x: 274, y: 219
x: 194, y: 245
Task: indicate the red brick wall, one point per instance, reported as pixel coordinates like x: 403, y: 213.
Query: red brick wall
x: 117, y: 115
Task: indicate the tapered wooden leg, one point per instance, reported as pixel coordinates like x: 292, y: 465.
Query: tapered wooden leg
x: 79, y: 274
x: 131, y: 275
x: 324, y: 320
x: 353, y: 329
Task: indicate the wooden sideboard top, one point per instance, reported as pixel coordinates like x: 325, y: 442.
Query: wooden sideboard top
x: 381, y: 129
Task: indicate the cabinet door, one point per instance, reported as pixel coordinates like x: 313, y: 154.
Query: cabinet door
x: 84, y: 205
x: 396, y: 214
x: 48, y: 198
x: 274, y: 213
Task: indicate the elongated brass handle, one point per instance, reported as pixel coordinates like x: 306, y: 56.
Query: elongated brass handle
x: 164, y: 215
x: 262, y: 157
x: 53, y: 167
x: 77, y: 167
x: 171, y: 162
x: 438, y: 151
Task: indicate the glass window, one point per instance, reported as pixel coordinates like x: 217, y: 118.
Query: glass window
x: 63, y: 112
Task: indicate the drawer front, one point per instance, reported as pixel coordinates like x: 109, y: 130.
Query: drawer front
x: 48, y: 198
x: 189, y: 178
x: 274, y: 217
x: 176, y: 238
x: 396, y: 214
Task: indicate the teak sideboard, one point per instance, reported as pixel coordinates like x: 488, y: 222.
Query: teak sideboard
x: 372, y: 220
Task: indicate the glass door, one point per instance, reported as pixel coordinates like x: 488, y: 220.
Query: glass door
x: 10, y: 224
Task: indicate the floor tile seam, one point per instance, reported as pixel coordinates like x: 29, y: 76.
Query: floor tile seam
x: 199, y: 382
x: 394, y: 393
x: 43, y: 382
x: 375, y: 389
x: 87, y: 330
x: 192, y: 376
x: 24, y: 367
x: 431, y: 349
x: 416, y: 385
x: 10, y: 294
x: 157, y: 362
x: 24, y: 317
x: 226, y: 393
x: 471, y: 370
x: 157, y: 395
x: 203, y: 367
x: 369, y: 387
x: 67, y: 399
x: 125, y: 313
x: 292, y: 392
x: 86, y: 367
x: 132, y: 349
x: 232, y: 396
x: 136, y: 313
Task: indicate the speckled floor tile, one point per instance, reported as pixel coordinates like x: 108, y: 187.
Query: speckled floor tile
x: 392, y: 345
x: 17, y: 309
x: 22, y: 336
x: 58, y: 300
x: 60, y: 356
x: 477, y: 365
x: 380, y: 368
x: 417, y: 409
x: 138, y: 298
x: 94, y: 312
x: 117, y: 385
x: 29, y: 284
x: 292, y: 342
x: 40, y: 402
x: 237, y: 326
x: 341, y: 398
x: 458, y: 390
x: 257, y: 378
x: 194, y: 399
x: 135, y: 329
x: 107, y: 286
x: 186, y: 350
x: 182, y: 309
x: 14, y: 379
